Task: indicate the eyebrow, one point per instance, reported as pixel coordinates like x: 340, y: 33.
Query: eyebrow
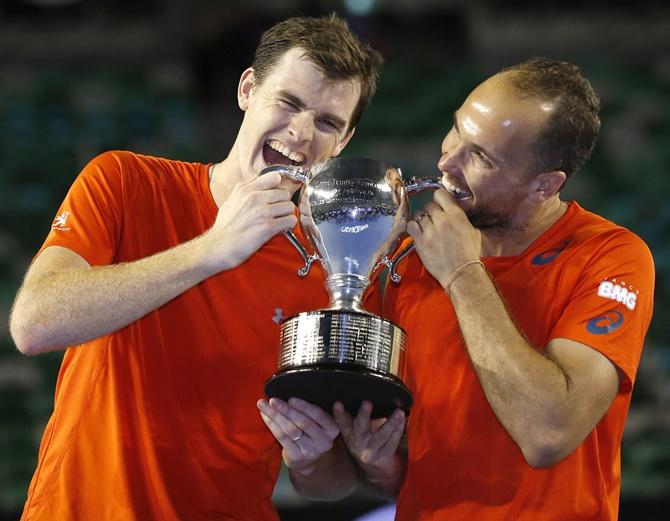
x: 337, y: 121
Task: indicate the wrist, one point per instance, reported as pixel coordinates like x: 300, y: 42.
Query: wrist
x: 301, y: 469
x: 379, y: 474
x: 211, y: 258
x: 302, y: 472
x: 448, y: 281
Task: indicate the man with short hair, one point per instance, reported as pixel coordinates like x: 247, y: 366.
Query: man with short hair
x: 525, y: 317
x: 168, y: 281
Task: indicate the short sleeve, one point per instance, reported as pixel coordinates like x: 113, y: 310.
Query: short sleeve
x: 611, y: 307
x: 89, y: 220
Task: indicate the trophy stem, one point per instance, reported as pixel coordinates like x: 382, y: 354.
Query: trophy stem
x: 346, y: 291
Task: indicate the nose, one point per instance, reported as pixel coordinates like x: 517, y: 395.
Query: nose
x: 450, y: 154
x: 442, y: 163
x: 301, y: 127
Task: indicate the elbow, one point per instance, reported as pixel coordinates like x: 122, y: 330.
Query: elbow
x: 547, y: 451
x: 541, y: 458
x: 25, y: 339
x: 24, y: 343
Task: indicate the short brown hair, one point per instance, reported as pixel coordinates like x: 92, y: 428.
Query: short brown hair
x: 570, y: 134
x: 330, y: 45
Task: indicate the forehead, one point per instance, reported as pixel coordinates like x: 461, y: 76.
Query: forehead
x: 298, y: 75
x: 502, y: 121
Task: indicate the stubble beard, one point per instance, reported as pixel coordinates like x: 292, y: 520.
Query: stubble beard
x: 492, y: 222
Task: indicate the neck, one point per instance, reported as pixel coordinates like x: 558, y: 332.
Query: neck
x: 223, y: 177
x: 502, y: 244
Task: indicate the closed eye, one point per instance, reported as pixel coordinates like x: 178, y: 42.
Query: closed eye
x: 330, y: 124
x: 287, y: 104
x: 482, y: 157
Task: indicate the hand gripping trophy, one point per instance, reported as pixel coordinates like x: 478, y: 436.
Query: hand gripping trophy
x: 353, y: 211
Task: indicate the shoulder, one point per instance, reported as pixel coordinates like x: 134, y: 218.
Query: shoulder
x: 118, y: 160
x: 603, y: 237
x: 610, y: 261
x: 133, y: 169
x: 128, y: 161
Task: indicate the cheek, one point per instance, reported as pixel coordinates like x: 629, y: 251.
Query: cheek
x: 270, y: 117
x: 324, y: 146
x: 483, y: 189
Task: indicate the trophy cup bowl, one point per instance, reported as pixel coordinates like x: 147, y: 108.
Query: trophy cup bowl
x: 352, y: 211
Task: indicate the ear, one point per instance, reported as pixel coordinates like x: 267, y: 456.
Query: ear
x: 546, y: 185
x: 245, y: 87
x: 343, y: 143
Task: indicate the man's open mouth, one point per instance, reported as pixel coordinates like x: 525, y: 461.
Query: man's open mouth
x: 455, y: 191
x: 276, y: 153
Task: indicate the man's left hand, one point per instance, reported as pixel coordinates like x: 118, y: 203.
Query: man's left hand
x: 304, y: 430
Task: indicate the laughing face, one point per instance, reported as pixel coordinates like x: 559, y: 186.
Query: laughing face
x: 488, y: 156
x: 296, y: 116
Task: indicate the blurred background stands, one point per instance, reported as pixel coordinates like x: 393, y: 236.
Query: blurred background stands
x: 78, y: 77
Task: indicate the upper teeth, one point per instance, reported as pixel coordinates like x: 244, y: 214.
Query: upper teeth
x: 453, y: 188
x: 285, y: 151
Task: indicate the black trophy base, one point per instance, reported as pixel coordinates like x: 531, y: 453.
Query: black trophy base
x: 324, y: 385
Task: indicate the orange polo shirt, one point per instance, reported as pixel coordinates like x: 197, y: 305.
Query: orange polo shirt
x: 584, y: 279
x: 158, y: 421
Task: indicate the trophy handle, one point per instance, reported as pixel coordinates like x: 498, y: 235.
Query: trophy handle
x: 392, y: 263
x: 299, y: 175
x: 309, y: 259
x: 294, y: 173
x: 414, y: 185
x: 419, y: 184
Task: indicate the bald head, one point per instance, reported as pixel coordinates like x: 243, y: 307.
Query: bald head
x: 569, y: 134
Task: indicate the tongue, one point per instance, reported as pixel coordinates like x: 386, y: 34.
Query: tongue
x: 272, y: 157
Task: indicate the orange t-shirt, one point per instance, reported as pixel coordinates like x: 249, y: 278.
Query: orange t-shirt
x: 584, y: 279
x: 158, y: 421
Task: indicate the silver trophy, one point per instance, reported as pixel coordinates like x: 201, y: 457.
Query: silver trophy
x: 353, y: 212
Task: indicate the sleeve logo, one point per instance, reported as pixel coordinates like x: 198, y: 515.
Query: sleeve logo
x: 60, y: 222
x: 606, y: 323
x: 618, y: 292
x: 548, y: 256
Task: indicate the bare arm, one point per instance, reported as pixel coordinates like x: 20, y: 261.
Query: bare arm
x: 64, y: 301
x: 548, y: 403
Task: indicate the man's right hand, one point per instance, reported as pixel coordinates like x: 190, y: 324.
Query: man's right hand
x: 254, y: 212
x: 374, y: 444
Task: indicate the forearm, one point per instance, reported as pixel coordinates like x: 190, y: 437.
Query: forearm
x: 331, y: 477
x: 70, y: 306
x: 528, y: 392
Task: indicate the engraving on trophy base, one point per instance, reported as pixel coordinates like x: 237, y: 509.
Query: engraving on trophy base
x: 346, y: 356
